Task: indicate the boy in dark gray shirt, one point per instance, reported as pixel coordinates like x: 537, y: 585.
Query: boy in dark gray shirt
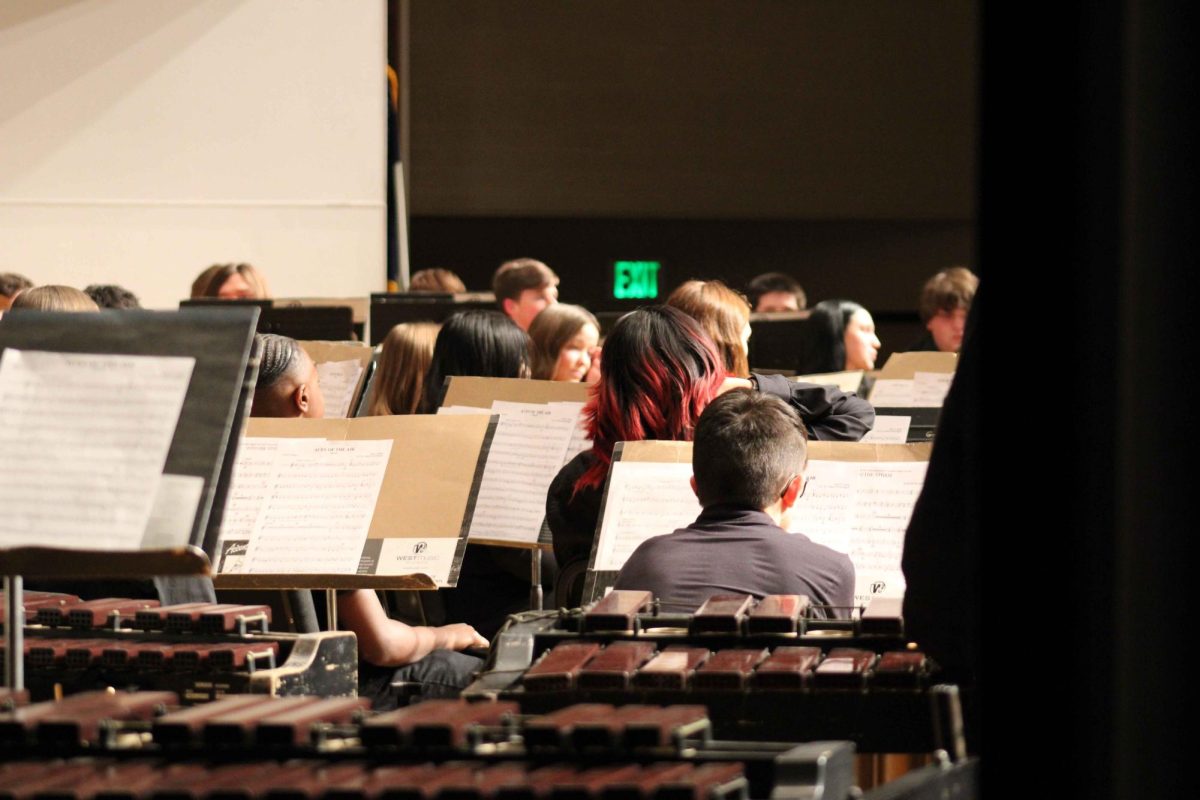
x: 748, y: 462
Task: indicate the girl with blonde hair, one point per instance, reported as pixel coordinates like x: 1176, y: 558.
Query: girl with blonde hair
x: 404, y: 359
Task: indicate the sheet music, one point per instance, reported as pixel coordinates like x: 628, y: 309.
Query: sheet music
x: 404, y: 556
x: 888, y: 430
x: 892, y: 393
x: 929, y: 388
x: 862, y: 508
x: 302, y: 505
x: 645, y: 500
x: 579, y: 436
x: 84, y: 438
x: 338, y: 381
x: 526, y: 453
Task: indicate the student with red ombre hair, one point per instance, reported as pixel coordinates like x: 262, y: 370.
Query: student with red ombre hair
x: 660, y: 370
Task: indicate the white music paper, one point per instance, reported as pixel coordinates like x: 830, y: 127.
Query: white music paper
x: 338, y: 381
x: 579, y: 441
x: 888, y: 430
x: 862, y: 508
x: 526, y: 453
x: 302, y: 506
x: 892, y: 393
x: 644, y: 500
x: 83, y: 439
x: 929, y: 388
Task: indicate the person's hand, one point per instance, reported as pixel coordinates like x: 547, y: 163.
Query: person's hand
x: 593, y: 373
x: 460, y: 636
x: 734, y: 383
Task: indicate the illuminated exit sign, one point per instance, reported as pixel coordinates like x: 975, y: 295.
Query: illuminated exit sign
x: 635, y: 280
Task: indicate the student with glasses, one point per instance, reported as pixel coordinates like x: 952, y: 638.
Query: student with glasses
x: 748, y: 460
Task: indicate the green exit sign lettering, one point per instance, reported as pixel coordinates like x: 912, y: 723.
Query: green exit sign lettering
x: 635, y: 280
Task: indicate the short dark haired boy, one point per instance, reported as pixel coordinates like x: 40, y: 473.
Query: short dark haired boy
x: 748, y: 460
x: 523, y: 287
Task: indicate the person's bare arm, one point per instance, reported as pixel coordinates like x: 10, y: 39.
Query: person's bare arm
x: 387, y: 642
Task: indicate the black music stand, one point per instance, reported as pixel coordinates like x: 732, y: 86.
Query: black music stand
x: 777, y: 340
x: 308, y: 323
x: 203, y: 446
x: 389, y: 309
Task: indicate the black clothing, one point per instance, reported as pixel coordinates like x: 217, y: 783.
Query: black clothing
x: 737, y: 550
x: 493, y: 582
x: 828, y: 414
x: 925, y: 344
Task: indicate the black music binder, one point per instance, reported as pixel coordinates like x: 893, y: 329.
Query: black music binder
x: 205, y: 439
x: 389, y: 309
x: 777, y: 340
x: 317, y: 323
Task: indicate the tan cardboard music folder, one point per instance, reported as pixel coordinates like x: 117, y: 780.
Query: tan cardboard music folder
x: 659, y: 452
x: 480, y: 392
x: 681, y: 452
x: 905, y: 366
x: 424, y: 499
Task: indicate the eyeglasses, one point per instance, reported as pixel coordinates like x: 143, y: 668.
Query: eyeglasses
x: 803, y: 488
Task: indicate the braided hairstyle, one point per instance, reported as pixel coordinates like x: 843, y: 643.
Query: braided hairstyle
x: 278, y: 356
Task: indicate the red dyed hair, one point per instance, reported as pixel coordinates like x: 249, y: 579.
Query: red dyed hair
x: 659, y: 371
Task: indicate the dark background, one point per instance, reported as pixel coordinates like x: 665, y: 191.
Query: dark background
x: 831, y: 141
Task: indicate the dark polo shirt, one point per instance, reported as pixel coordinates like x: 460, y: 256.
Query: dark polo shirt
x: 732, y: 550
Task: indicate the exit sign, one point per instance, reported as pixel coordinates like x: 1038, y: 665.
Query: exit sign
x: 635, y: 280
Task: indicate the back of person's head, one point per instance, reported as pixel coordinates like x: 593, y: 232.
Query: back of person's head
x: 231, y: 282
x: 515, y: 276
x: 436, y: 280
x: 110, y: 295
x: 479, y: 343
x: 747, y: 447
x: 404, y: 359
x: 660, y: 369
x: 287, y: 384
x: 948, y: 290
x: 824, y: 346
x: 54, y: 298
x: 551, y: 330
x: 12, y: 283
x: 725, y: 315
x: 770, y: 291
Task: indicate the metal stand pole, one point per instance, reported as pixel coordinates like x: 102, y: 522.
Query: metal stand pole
x: 948, y: 721
x: 14, y: 632
x: 535, y: 577
x: 331, y: 608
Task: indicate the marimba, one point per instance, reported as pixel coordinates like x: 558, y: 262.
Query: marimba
x: 199, y: 650
x: 776, y: 669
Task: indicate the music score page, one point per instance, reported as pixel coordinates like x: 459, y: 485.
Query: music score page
x: 84, y: 438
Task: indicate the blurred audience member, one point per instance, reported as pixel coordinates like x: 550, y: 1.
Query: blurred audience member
x: 842, y: 338
x: 945, y: 300
x: 11, y: 285
x: 404, y: 359
x: 775, y: 291
x: 436, y: 280
x: 725, y: 316
x: 523, y: 287
x: 231, y: 282
x: 54, y: 298
x: 110, y: 295
x: 564, y: 343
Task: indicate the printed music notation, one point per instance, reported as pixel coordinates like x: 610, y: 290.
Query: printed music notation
x: 862, y: 509
x: 85, y: 437
x: 303, y: 505
x: 644, y: 500
x: 338, y: 381
x: 527, y: 451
